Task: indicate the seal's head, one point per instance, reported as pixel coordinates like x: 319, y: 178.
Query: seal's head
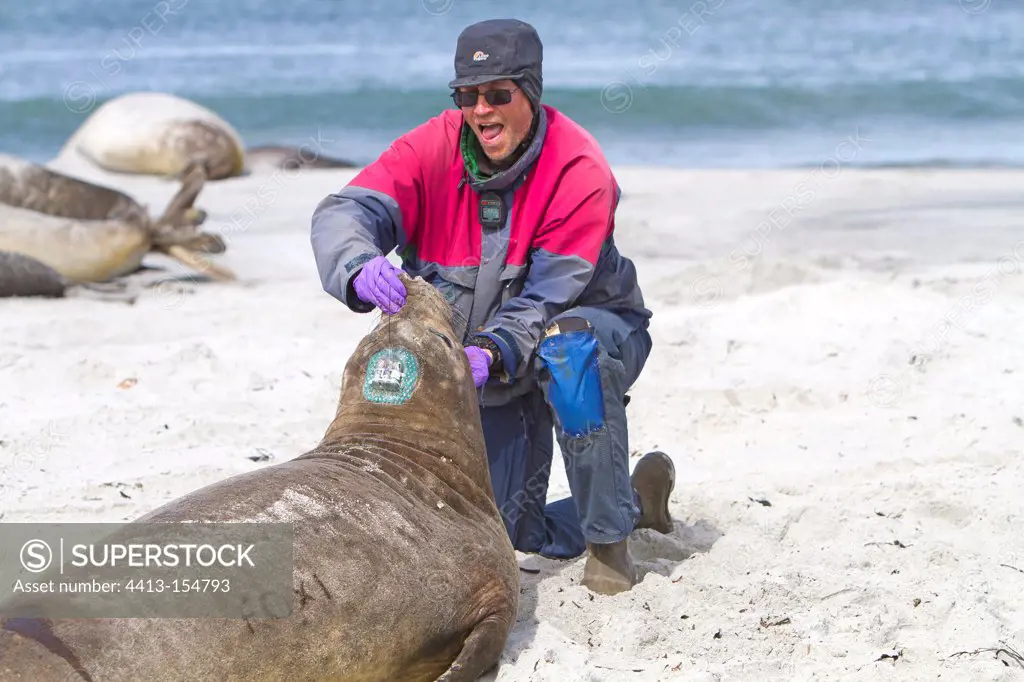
x: 213, y: 147
x: 409, y: 379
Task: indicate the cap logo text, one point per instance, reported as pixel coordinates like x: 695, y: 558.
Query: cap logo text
x: 480, y: 56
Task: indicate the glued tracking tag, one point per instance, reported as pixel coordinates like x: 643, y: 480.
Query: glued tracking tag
x: 391, y: 376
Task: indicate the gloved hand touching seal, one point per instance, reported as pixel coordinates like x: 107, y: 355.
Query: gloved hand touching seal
x: 378, y: 283
x: 479, y: 363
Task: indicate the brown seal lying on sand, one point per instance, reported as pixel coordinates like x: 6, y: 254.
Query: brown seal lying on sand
x: 384, y: 510
x: 91, y: 233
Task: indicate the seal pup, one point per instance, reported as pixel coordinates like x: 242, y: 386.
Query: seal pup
x: 91, y: 233
x: 157, y: 133
x: 403, y: 569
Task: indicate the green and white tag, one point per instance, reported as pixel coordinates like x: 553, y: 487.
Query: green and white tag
x: 390, y: 376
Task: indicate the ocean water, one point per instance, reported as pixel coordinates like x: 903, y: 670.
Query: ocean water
x: 706, y: 83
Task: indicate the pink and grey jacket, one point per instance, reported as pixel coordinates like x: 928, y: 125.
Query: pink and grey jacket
x: 554, y: 252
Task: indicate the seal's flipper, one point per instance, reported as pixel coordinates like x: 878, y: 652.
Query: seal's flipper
x: 105, y: 291
x: 205, y: 242
x: 195, y: 216
x: 179, y: 211
x: 480, y: 652
x: 197, y: 261
x: 175, y: 232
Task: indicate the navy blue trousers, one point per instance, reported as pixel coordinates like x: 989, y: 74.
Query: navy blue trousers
x: 520, y: 437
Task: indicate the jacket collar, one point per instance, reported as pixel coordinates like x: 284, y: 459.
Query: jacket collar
x: 503, y: 179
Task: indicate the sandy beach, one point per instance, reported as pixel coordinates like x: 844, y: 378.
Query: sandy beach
x: 836, y: 372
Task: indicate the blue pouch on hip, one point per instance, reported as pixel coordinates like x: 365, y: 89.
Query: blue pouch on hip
x: 574, y: 386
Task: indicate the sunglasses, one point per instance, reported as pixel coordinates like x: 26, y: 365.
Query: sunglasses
x: 496, y: 97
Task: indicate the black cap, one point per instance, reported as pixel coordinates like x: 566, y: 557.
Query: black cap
x: 497, y: 49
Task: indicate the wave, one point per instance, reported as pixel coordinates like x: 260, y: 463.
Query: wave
x: 924, y: 123
x: 190, y: 53
x: 940, y: 163
x: 619, y: 102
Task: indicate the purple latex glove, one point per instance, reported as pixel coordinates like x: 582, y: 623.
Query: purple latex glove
x: 479, y: 363
x: 378, y: 283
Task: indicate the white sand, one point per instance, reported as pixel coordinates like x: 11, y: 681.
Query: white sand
x: 818, y: 376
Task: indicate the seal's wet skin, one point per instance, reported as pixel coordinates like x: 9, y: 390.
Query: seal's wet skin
x: 91, y: 233
x: 402, y: 566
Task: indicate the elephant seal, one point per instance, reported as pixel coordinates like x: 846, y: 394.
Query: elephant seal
x: 403, y: 569
x: 156, y: 133
x: 291, y: 158
x: 91, y: 233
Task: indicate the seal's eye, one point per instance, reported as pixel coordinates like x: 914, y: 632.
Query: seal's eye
x: 447, y: 341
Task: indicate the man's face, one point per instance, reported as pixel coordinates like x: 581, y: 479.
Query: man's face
x: 499, y: 128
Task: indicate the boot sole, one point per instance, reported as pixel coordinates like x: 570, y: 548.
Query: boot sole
x: 657, y: 518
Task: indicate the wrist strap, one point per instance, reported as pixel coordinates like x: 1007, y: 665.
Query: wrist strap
x: 487, y: 344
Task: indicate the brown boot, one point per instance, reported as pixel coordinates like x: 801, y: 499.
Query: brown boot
x: 653, y: 479
x: 609, y: 568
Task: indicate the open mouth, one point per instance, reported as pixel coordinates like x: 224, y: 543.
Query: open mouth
x: 490, y: 132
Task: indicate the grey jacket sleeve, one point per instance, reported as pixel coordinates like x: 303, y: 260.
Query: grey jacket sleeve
x: 349, y: 228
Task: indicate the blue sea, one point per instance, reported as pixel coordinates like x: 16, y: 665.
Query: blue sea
x: 706, y: 83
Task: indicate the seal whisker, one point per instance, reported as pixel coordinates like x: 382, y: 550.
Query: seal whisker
x: 303, y: 595
x: 322, y: 586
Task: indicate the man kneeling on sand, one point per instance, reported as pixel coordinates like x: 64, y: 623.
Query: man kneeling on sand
x: 507, y: 206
